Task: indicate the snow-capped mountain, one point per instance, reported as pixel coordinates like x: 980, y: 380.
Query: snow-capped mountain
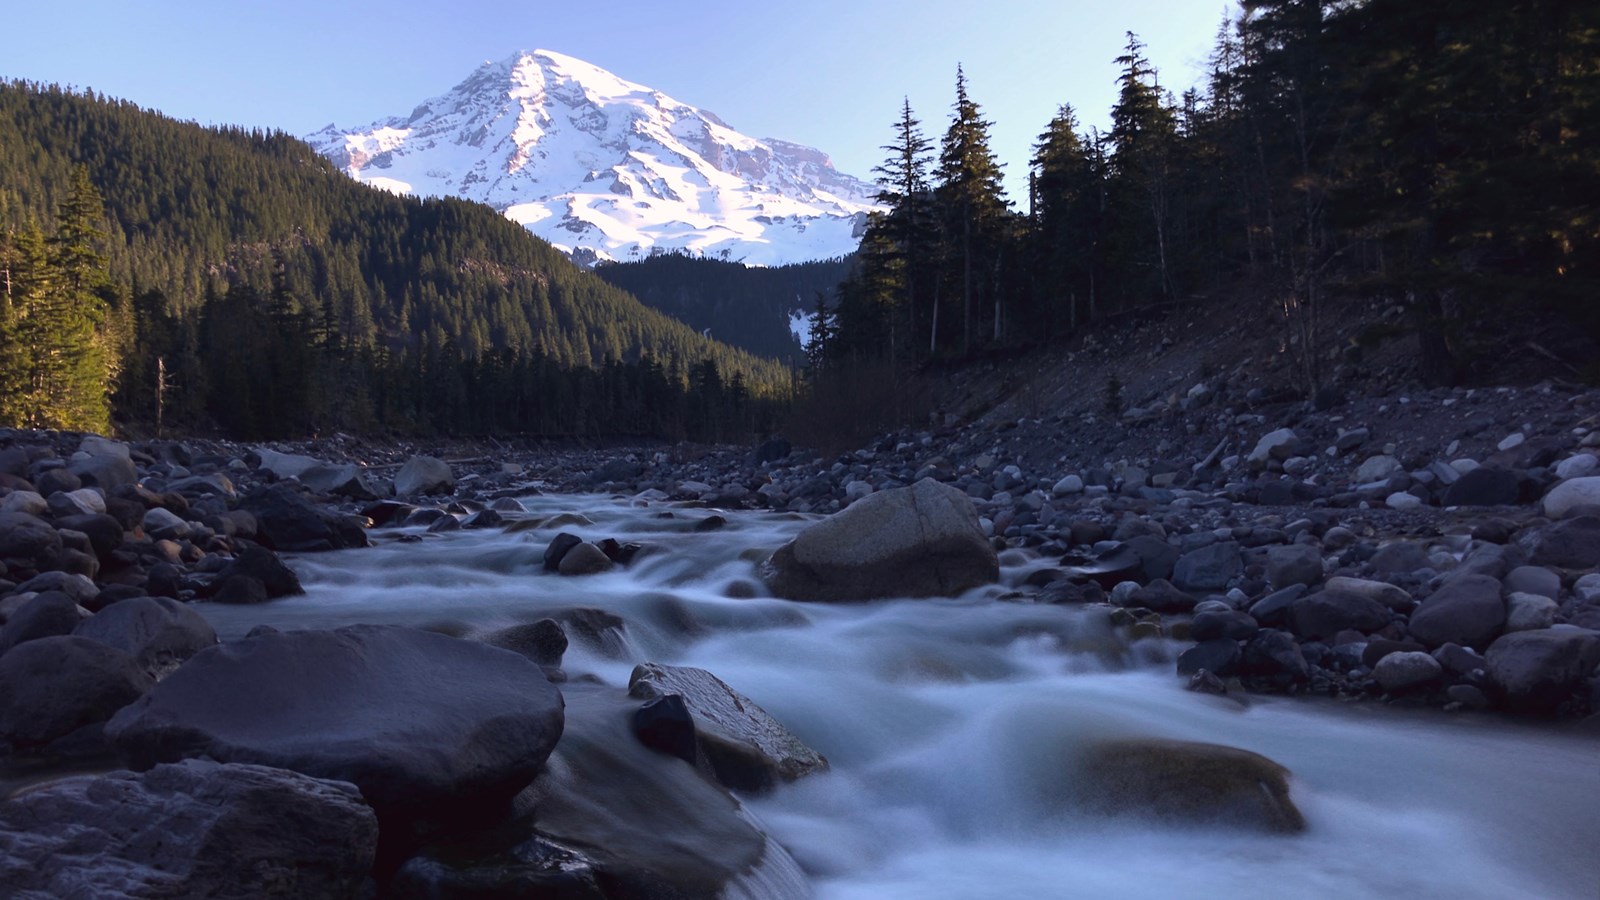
x: 608, y: 169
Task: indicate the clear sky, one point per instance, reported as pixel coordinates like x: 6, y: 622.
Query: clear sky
x: 828, y: 73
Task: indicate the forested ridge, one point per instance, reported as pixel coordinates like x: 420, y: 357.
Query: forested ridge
x: 746, y: 306
x: 243, y: 281
x: 1441, y: 159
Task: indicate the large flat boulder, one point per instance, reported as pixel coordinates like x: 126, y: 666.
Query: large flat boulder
x: 919, y: 541
x: 197, y: 829
x: 745, y: 747
x: 428, y: 726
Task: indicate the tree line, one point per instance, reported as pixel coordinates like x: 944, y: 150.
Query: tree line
x: 1437, y: 157
x: 161, y: 273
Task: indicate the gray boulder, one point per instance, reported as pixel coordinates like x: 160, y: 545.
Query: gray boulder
x: 1279, y: 445
x: 1406, y: 670
x: 1485, y: 486
x: 1467, y: 611
x: 745, y: 747
x: 1188, y: 782
x: 343, y: 480
x: 1326, y: 613
x: 157, y: 631
x: 919, y: 541
x: 285, y: 465
x: 289, y: 522
x: 51, y: 687
x: 1208, y: 568
x: 1572, y: 495
x: 197, y: 829
x: 103, y: 463
x: 48, y: 614
x: 424, y: 475
x: 28, y: 539
x: 1570, y: 544
x: 1538, y: 670
x: 1294, y: 564
x: 1389, y: 595
x: 427, y: 726
x: 584, y: 558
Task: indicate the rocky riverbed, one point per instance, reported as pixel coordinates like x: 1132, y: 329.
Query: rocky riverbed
x: 1432, y: 549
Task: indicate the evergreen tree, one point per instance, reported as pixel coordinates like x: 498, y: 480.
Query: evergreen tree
x: 1066, y: 196
x: 973, y: 208
x: 1143, y: 134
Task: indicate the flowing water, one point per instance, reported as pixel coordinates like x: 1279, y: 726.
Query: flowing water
x: 948, y: 724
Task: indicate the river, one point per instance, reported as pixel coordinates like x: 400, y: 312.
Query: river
x: 947, y: 723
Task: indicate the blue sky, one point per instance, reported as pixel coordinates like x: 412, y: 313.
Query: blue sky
x: 829, y: 73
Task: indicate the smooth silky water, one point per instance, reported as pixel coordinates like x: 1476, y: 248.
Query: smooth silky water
x: 948, y: 724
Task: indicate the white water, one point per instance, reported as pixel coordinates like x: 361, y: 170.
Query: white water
x: 947, y: 723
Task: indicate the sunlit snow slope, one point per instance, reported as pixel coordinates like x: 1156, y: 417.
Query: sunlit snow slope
x: 608, y: 169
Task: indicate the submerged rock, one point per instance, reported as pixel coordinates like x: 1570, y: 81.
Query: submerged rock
x: 196, y: 829
x: 919, y: 541
x: 1189, y: 782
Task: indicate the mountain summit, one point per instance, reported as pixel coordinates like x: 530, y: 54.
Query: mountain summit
x: 607, y: 169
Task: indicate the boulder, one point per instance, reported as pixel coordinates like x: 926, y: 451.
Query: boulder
x: 81, y: 502
x: 1279, y: 445
x: 51, y: 687
x: 559, y: 546
x: 1377, y: 468
x: 28, y: 539
x: 1571, y: 495
x: 1534, y: 580
x: 24, y: 502
x: 261, y: 564
x: 197, y: 829
x: 289, y: 522
x: 284, y: 465
x: 610, y: 818
x: 584, y: 558
x: 1217, y: 656
x: 427, y: 726
x: 48, y: 614
x: 1393, y: 597
x: 157, y: 631
x: 919, y: 541
x: 424, y: 475
x: 1485, y: 486
x: 1467, y: 611
x: 1578, y: 465
x: 1538, y: 670
x: 1326, y: 613
x: 1188, y: 782
x: 1294, y: 564
x: 1530, y: 612
x: 1208, y: 568
x: 343, y: 480
x: 1570, y: 544
x: 103, y: 463
x: 544, y: 641
x: 163, y: 525
x: 746, y: 748
x: 105, y: 533
x: 1223, y: 623
x: 1406, y: 670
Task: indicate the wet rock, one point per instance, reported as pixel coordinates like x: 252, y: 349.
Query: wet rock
x: 483, y: 518
x: 1230, y: 624
x: 54, y: 686
x: 1404, y: 671
x: 1161, y: 596
x: 584, y: 559
x: 1208, y: 568
x: 1467, y: 611
x: 1273, y: 609
x: 197, y: 829
x: 1217, y: 656
x: 1539, y: 670
x: 1274, y: 656
x: 264, y: 566
x: 920, y: 541
x: 156, y: 631
x: 1189, y: 782
x: 558, y: 548
x: 424, y: 475
x: 745, y: 747
x: 428, y: 726
x: 665, y: 726
x: 544, y: 641
x: 1326, y: 613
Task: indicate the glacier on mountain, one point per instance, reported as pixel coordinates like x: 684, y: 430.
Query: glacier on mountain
x: 607, y: 169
